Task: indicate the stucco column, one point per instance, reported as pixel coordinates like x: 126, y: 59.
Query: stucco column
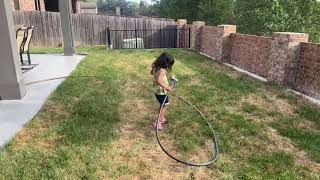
x: 285, y: 50
x: 11, y: 80
x: 65, y: 8
x: 195, y: 34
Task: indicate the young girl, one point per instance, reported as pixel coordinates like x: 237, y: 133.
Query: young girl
x: 161, y: 67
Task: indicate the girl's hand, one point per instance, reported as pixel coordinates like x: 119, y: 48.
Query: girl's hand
x: 170, y: 88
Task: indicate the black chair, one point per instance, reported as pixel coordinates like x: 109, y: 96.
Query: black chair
x: 24, y: 36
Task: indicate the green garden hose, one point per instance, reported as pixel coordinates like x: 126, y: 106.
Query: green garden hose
x: 214, y: 135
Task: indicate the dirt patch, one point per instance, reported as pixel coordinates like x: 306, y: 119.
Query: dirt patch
x: 124, y: 65
x: 269, y: 103
x: 308, y: 125
x: 28, y: 136
x: 196, y: 81
x: 32, y: 133
x: 280, y: 143
x: 98, y: 82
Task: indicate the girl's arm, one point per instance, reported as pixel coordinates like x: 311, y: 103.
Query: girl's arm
x: 160, y: 82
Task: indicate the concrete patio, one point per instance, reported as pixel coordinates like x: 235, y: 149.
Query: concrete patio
x: 15, y: 114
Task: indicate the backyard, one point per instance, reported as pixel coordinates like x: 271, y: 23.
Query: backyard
x: 101, y: 127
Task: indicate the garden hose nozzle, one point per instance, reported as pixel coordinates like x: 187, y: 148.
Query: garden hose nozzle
x: 174, y: 81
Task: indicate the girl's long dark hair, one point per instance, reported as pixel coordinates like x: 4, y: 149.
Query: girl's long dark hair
x: 165, y: 61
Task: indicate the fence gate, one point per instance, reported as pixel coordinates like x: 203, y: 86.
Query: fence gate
x: 149, y: 38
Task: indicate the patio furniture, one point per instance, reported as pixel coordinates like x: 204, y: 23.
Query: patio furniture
x: 133, y: 43
x: 24, y: 36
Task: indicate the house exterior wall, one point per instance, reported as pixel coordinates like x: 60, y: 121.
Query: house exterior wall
x: 28, y: 5
x: 85, y: 8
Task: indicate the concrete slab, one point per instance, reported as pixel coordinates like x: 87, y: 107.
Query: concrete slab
x: 15, y: 114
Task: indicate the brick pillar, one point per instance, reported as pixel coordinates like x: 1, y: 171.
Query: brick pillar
x: 181, y: 23
x: 195, y: 34
x: 225, y: 31
x: 27, y: 5
x: 78, y: 7
x: 118, y: 11
x: 12, y: 5
x: 284, y: 57
x: 42, y: 5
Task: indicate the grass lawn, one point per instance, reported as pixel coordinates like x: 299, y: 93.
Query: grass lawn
x: 101, y: 128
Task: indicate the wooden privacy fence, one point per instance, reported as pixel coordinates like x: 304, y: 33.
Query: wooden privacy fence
x: 149, y: 38
x: 89, y: 29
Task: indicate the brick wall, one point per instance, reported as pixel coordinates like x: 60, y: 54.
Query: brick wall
x: 211, y: 41
x: 214, y: 41
x: 29, y: 5
x: 308, y: 76
x: 251, y: 53
x: 285, y: 58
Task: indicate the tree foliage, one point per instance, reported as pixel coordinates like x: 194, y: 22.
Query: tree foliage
x: 216, y: 12
x: 176, y: 9
x: 260, y: 17
x: 128, y: 8
x: 266, y: 16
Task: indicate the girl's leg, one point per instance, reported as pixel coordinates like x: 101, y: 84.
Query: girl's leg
x: 163, y: 113
x: 161, y: 116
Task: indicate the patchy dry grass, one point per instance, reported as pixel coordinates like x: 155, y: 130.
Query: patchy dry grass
x: 101, y: 128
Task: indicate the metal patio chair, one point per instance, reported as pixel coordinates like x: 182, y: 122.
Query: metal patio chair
x: 24, y: 36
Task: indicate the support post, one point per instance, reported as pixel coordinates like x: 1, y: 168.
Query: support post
x: 136, y: 36
x: 11, y: 80
x: 189, y: 37
x: 67, y: 33
x: 108, y: 38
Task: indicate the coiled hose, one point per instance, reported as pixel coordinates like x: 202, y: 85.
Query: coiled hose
x: 214, y: 136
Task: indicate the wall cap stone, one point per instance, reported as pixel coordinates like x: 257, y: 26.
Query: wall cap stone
x: 290, y: 33
x: 182, y: 21
x: 199, y: 23
x: 226, y: 25
x: 291, y: 36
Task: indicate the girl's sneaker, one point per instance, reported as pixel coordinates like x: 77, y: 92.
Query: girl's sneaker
x: 159, y: 126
